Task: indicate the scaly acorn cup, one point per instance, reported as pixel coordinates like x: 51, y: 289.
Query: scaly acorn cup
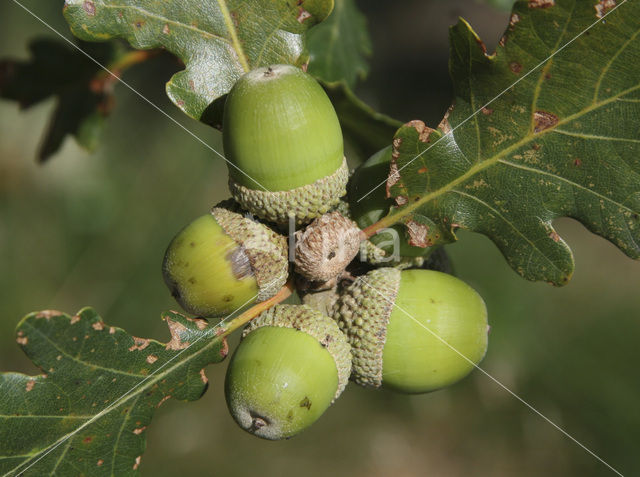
x: 283, y: 139
x: 368, y: 203
x: 291, y: 364
x: 222, y: 262
x: 412, y: 331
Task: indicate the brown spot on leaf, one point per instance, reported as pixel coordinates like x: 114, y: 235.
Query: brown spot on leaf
x: 394, y: 175
x: 139, y: 430
x: 487, y: 111
x: 553, y: 235
x: 444, y: 125
x: 541, y: 3
x: 536, y: 146
x: 176, y: 329
x: 201, y: 323
x: 22, y: 340
x: 515, y: 67
x: 401, y: 200
x: 163, y: 400
x: 482, y: 45
x: 139, y: 344
x: 180, y: 103
x: 48, y: 314
x: 303, y: 15
x: 87, y: 440
x: 152, y: 359
x: 224, y: 351
x: 203, y: 376
x: 137, y: 463
x: 515, y: 18
x: 89, y: 7
x: 417, y: 234
x: 422, y: 170
x: 75, y: 319
x: 603, y: 6
x: 30, y: 384
x: 544, y: 120
x: 100, y: 462
x: 423, y: 130
x: 112, y: 330
x: 577, y: 162
x: 139, y: 23
x: 165, y: 29
x: 98, y: 326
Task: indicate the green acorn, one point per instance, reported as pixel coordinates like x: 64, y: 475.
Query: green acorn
x: 368, y: 203
x: 291, y: 364
x: 222, y: 262
x: 283, y: 139
x: 412, y: 331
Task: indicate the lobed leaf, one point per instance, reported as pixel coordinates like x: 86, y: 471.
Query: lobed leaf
x: 87, y: 415
x: 562, y: 141
x: 83, y: 91
x: 218, y: 41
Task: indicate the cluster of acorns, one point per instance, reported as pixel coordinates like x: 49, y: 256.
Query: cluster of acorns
x: 410, y: 330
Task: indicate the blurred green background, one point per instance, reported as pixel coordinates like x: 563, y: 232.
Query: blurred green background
x: 91, y: 230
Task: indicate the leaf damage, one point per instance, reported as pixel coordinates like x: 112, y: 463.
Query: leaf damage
x: 544, y: 120
x: 603, y: 6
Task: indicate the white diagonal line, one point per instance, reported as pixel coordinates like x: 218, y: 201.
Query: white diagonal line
x: 122, y: 399
x: 495, y: 380
x: 476, y: 112
x: 139, y: 94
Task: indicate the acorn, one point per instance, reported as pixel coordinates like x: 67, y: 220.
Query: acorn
x: 412, y: 331
x: 325, y: 248
x: 222, y: 262
x: 283, y: 140
x: 291, y: 365
x: 368, y: 203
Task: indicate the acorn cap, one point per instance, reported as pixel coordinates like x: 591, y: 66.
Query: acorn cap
x: 362, y: 313
x: 316, y: 324
x: 305, y: 202
x: 282, y: 138
x: 413, y: 331
x: 265, y: 250
x: 326, y: 246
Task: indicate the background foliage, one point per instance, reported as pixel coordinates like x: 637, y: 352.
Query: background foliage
x: 92, y: 230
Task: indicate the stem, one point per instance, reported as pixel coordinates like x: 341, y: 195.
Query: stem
x: 383, y: 223
x: 255, y: 310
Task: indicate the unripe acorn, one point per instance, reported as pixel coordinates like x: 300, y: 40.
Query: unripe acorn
x: 222, y: 262
x: 368, y: 202
x: 413, y: 331
x: 281, y: 133
x: 291, y: 364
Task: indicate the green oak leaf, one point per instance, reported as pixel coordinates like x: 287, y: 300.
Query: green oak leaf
x: 563, y: 141
x: 83, y: 91
x: 366, y: 129
x: 340, y: 46
x: 218, y: 41
x: 88, y: 413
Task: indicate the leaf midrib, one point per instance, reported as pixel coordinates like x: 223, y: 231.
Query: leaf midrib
x: 394, y: 218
